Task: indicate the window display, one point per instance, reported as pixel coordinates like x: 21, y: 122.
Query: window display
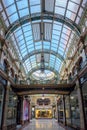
x: 25, y: 110
x: 84, y: 90
x: 46, y: 113
x: 75, y: 112
x: 12, y: 106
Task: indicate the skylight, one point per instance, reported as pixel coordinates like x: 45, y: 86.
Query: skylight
x: 41, y: 26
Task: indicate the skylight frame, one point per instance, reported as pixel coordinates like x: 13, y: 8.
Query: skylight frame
x: 30, y: 44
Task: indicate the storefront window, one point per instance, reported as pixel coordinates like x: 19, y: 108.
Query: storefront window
x: 84, y: 90
x: 12, y: 106
x: 1, y: 102
x: 43, y: 113
x: 75, y: 112
x: 25, y: 109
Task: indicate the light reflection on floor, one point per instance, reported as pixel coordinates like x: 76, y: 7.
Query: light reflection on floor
x: 43, y: 124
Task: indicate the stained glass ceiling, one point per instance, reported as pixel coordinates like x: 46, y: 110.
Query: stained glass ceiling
x: 42, y: 27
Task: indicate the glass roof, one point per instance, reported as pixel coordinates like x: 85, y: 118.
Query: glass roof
x: 42, y: 35
x: 46, y: 75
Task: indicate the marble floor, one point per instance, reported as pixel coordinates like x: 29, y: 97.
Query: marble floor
x: 43, y: 124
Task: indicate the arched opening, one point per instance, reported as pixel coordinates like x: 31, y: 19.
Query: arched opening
x: 79, y: 63
x: 15, y: 78
x: 73, y: 70
x: 12, y: 72
x: 6, y: 65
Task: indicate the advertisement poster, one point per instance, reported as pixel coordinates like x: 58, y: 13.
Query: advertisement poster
x: 25, y: 110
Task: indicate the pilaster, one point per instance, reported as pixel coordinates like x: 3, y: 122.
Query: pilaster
x: 81, y: 106
x: 5, y: 107
x: 64, y: 115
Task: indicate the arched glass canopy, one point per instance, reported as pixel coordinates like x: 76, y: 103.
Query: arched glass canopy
x: 46, y: 75
x: 42, y: 30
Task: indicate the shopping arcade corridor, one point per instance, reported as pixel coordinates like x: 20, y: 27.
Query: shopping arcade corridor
x: 43, y: 124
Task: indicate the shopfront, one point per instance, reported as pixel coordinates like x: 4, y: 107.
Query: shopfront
x: 83, y: 82
x: 26, y: 110
x: 43, y: 113
x: 2, y: 92
x: 1, y: 102
x: 84, y: 91
x: 11, y: 109
x: 75, y: 112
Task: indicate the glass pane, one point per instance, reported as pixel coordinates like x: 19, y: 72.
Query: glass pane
x: 73, y: 7
x: 13, y: 18
x: 61, y: 3
x: 23, y: 12
x: 35, y: 9
x: 49, y: 5
x: 59, y: 10
x: 70, y: 15
x: 34, y: 2
x: 22, y: 4
x: 8, y: 2
x: 10, y: 10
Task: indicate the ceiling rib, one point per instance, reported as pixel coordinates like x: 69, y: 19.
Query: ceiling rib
x: 26, y: 19
x: 46, y: 68
x: 44, y: 51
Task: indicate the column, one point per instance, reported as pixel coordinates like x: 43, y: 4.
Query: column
x: 58, y: 103
x: 1, y: 50
x: 81, y: 106
x: 64, y: 115
x: 5, y: 107
x: 18, y: 118
x: 1, y: 47
x: 21, y: 109
x: 58, y: 114
x: 30, y: 110
x: 70, y: 111
x: 56, y: 111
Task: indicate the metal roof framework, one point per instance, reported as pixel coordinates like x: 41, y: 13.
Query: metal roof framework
x: 43, y: 26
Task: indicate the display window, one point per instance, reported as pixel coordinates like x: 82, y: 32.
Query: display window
x: 43, y: 113
x: 75, y: 112
x: 84, y: 91
x: 12, y: 108
x: 25, y: 110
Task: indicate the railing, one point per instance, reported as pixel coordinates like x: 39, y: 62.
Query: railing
x: 55, y: 81
x: 42, y: 82
x: 21, y: 82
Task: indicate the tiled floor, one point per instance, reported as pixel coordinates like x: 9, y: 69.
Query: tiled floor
x: 43, y: 124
